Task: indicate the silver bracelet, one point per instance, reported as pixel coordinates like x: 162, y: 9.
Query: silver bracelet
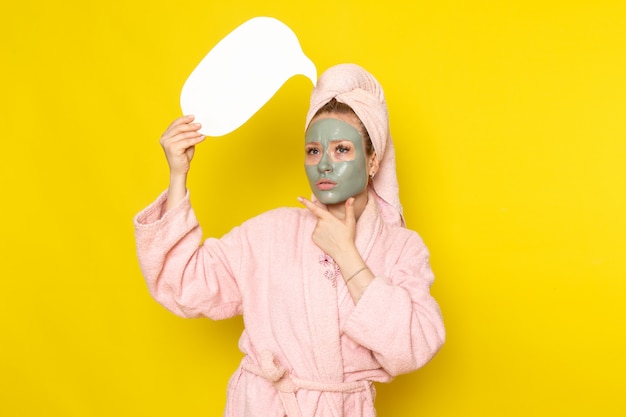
x: 356, y: 273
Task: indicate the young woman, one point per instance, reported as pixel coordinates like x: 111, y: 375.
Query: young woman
x: 334, y: 295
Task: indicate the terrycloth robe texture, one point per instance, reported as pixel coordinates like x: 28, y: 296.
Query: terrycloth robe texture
x: 309, y: 350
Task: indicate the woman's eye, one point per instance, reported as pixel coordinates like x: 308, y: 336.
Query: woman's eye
x: 312, y: 151
x: 343, y: 149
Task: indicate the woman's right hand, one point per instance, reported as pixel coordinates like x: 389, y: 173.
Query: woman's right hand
x: 178, y: 142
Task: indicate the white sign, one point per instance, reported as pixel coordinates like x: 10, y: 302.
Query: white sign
x: 242, y: 73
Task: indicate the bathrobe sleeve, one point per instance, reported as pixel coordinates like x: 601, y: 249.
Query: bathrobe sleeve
x: 397, y: 318
x: 187, y: 278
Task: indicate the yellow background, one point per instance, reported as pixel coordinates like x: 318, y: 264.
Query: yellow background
x: 509, y: 123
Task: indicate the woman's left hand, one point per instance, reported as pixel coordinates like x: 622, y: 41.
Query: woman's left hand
x: 332, y: 234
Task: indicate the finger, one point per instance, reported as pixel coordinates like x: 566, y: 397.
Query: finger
x: 183, y: 128
x: 181, y: 120
x: 188, y: 127
x: 180, y: 146
x: 190, y: 142
x: 186, y: 135
x: 190, y: 151
x: 178, y: 137
x: 187, y: 118
x: 349, y: 206
x: 313, y: 208
x: 182, y: 124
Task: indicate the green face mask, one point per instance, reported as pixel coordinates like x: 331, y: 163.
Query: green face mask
x: 335, y: 161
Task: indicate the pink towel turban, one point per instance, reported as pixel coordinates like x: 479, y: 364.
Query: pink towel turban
x: 352, y: 85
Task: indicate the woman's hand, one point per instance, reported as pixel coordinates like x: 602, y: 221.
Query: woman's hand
x: 335, y: 236
x: 332, y: 234
x: 179, y: 143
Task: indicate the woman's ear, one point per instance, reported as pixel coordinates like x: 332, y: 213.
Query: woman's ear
x: 373, y: 165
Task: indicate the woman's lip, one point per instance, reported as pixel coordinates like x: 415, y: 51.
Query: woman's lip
x: 324, y: 184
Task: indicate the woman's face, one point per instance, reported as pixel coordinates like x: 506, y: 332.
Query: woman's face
x: 335, y: 160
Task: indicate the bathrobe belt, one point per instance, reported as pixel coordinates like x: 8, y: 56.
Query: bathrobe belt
x: 287, y: 385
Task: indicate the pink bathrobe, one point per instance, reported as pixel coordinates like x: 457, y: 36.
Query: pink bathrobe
x: 309, y: 351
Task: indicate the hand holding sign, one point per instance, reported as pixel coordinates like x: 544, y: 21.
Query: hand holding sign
x: 242, y: 73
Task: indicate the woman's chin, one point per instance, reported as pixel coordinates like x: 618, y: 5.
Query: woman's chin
x: 330, y: 199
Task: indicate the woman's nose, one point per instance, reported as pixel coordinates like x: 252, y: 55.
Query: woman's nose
x: 325, y: 164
